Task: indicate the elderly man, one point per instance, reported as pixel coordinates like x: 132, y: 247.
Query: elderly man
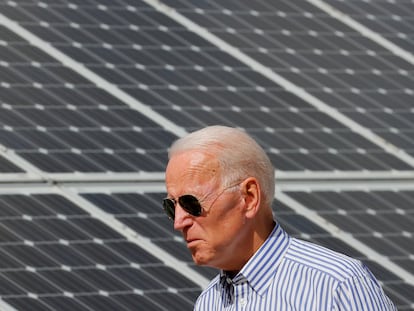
x: 220, y: 186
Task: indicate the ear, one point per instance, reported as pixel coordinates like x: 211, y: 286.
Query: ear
x: 251, y: 195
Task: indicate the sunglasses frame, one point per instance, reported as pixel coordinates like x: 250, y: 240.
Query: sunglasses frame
x: 169, y: 204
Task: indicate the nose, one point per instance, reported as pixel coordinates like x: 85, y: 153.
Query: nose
x: 182, y: 218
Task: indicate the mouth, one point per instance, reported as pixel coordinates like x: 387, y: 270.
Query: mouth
x: 191, y: 242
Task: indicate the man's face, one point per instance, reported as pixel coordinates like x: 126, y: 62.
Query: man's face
x: 214, y: 238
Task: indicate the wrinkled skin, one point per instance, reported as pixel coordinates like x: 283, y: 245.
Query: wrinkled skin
x: 225, y: 235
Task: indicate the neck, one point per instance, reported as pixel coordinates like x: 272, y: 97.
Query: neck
x: 259, y: 237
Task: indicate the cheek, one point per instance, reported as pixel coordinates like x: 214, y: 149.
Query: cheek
x: 226, y: 230
x: 217, y: 244
x: 220, y: 231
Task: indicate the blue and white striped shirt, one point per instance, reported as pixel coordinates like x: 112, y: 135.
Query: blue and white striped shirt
x: 291, y: 274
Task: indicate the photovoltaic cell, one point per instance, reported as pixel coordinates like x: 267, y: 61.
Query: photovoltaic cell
x: 8, y: 167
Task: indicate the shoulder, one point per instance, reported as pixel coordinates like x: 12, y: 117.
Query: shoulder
x: 362, y: 293
x: 351, y: 283
x: 319, y: 259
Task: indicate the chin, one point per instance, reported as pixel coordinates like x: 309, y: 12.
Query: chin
x: 200, y: 260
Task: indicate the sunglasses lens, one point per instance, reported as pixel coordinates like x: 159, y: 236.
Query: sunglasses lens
x: 190, y: 204
x: 169, y: 208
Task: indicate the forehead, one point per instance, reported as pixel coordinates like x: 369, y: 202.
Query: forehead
x: 192, y: 168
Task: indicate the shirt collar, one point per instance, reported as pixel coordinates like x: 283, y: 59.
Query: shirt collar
x: 261, y: 267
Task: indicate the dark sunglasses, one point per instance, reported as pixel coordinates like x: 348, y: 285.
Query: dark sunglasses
x: 189, y: 203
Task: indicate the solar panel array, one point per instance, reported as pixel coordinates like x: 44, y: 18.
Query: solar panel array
x: 92, y: 93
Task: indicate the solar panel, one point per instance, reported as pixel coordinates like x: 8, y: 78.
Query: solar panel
x: 391, y: 20
x: 313, y: 50
x: 171, y: 74
x: 51, y: 248
x: 92, y: 93
x: 59, y: 250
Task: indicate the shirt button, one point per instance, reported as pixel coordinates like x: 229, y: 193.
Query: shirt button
x: 243, y: 302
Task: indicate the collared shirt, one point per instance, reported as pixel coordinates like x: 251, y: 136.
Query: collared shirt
x: 290, y: 274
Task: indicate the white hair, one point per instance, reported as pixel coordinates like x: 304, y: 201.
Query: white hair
x: 239, y: 155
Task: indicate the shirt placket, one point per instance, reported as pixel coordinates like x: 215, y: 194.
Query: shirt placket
x: 241, y: 293
x: 227, y: 293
